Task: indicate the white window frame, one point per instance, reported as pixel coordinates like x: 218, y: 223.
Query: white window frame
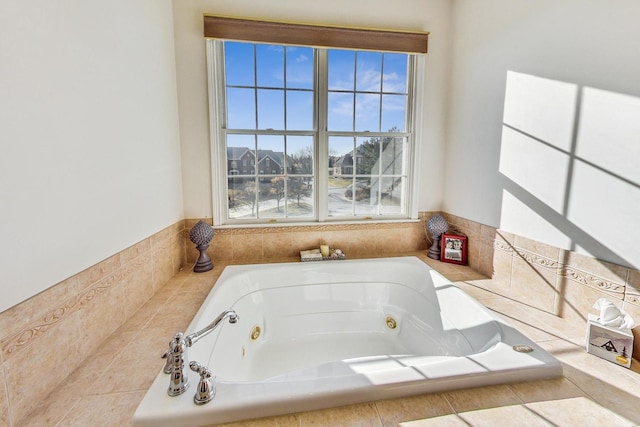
x: 217, y: 109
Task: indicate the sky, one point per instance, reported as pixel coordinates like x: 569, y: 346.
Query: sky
x: 281, y: 79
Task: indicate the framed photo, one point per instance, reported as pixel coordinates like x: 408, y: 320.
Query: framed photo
x: 453, y: 249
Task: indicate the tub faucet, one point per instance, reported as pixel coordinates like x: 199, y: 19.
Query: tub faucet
x: 177, y: 354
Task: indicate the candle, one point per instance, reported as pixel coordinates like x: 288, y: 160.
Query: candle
x: 324, y: 250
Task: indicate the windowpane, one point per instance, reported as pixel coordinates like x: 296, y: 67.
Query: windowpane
x: 240, y: 155
x: 364, y: 197
x: 242, y: 198
x: 272, y: 143
x: 367, y: 112
x: 340, y: 200
x: 300, y: 155
x: 391, y: 195
x: 368, y: 156
x: 369, y: 72
x: 270, y: 154
x: 392, y: 158
x: 394, y: 78
x: 299, y: 67
x: 270, y: 109
x: 340, y: 111
x: 341, y: 155
x: 270, y: 65
x: 271, y: 197
x: 300, y: 197
x: 239, y: 64
x: 300, y: 110
x: 340, y: 69
x: 241, y: 108
x: 393, y: 113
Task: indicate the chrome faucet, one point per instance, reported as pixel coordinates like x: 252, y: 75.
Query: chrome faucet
x: 177, y: 356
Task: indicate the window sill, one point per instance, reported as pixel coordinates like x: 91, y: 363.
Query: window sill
x: 372, y: 222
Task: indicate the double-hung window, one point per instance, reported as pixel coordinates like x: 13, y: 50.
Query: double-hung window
x: 309, y: 134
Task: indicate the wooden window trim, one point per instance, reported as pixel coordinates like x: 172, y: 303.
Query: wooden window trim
x: 258, y: 31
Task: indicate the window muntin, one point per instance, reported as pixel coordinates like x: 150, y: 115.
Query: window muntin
x: 272, y: 112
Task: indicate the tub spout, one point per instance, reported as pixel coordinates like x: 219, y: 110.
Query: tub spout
x: 196, y: 336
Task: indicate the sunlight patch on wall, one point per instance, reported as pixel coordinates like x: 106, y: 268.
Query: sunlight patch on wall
x: 540, y: 169
x: 570, y: 157
x: 542, y: 108
x: 609, y: 133
x: 605, y: 194
x: 516, y: 212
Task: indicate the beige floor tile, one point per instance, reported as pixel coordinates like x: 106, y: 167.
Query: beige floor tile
x: 109, y: 410
x: 364, y: 415
x: 282, y: 421
x: 51, y: 412
x: 4, y: 401
x: 540, y: 391
x: 141, y: 317
x: 513, y: 416
x: 577, y: 411
x: 137, y: 365
x: 452, y: 420
x: 479, y: 293
x: 178, y: 319
x: 83, y: 379
x: 395, y: 411
x: 481, y: 398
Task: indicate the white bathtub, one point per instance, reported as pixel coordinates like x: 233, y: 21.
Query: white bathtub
x: 327, y: 338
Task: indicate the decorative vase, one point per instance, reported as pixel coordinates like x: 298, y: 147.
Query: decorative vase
x: 201, y: 235
x: 436, y: 226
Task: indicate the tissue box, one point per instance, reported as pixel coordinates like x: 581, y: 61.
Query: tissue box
x: 612, y: 344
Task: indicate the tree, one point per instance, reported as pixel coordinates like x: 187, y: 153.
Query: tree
x: 277, y: 189
x: 296, y: 187
x: 245, y: 196
x: 302, y: 162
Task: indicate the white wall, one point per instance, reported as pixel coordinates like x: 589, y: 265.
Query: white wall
x: 544, y: 122
x: 429, y: 15
x: 89, y: 138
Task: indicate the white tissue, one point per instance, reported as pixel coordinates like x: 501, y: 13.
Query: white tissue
x: 612, y: 316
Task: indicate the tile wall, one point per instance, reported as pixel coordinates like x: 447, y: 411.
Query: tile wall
x: 560, y: 284
x: 45, y: 338
x: 357, y: 240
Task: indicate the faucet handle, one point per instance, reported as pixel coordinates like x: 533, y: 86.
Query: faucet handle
x: 206, y: 390
x: 167, y: 363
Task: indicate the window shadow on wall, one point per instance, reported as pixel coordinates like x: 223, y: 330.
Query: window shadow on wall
x: 570, y: 159
x: 570, y: 168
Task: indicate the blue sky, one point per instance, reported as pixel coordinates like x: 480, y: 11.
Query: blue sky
x: 287, y: 73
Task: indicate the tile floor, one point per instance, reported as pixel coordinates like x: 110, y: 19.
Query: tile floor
x: 107, y: 388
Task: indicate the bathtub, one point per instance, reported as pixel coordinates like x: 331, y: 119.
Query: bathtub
x: 321, y: 334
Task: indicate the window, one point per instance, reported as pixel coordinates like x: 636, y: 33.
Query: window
x: 322, y: 134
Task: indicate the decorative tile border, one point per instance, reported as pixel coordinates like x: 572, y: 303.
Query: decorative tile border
x: 592, y: 281
x: 23, y: 338
x: 536, y: 260
x: 93, y: 282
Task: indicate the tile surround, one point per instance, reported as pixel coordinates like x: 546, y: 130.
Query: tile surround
x: 260, y: 243
x: 562, y: 283
x: 75, y: 317
x: 541, y: 289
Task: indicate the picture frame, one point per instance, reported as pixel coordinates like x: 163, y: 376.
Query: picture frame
x: 453, y: 249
